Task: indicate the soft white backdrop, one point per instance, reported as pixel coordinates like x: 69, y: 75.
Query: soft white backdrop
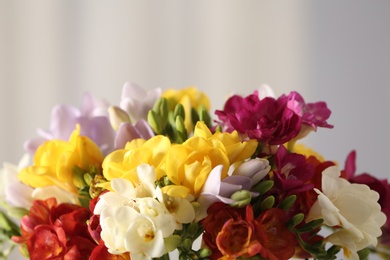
x: 338, y: 51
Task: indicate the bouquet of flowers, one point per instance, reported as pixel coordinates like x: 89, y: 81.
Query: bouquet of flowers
x: 156, y: 174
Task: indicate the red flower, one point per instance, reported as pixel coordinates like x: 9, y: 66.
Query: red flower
x: 233, y: 233
x: 52, y: 231
x: 217, y: 215
x: 94, y: 227
x: 235, y: 240
x: 101, y: 252
x: 277, y: 242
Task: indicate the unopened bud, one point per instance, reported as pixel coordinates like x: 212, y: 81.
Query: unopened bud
x: 117, y: 117
x: 241, y: 198
x: 256, y: 169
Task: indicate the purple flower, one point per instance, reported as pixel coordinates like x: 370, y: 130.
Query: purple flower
x: 215, y: 189
x: 137, y: 102
x: 92, y: 118
x: 128, y: 132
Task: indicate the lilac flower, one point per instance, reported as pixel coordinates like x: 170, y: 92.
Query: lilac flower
x: 92, y: 118
x: 137, y: 102
x: 215, y: 190
x: 130, y: 118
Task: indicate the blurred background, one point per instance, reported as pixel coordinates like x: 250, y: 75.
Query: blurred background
x: 52, y: 52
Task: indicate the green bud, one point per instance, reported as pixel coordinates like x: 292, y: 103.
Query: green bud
x: 310, y: 226
x: 154, y: 121
x: 218, y: 128
x: 204, y: 116
x: 263, y: 186
x: 298, y: 218
x: 88, y: 178
x: 181, y: 130
x: 194, y: 116
x: 161, y: 108
x: 164, y: 111
x: 78, y: 178
x: 267, y: 203
x: 187, y: 243
x: 171, y: 242
x: 192, y: 229
x: 179, y: 111
x: 204, y: 252
x: 288, y: 202
x: 241, y: 198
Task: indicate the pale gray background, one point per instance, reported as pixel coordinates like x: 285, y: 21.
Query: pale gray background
x: 338, y: 51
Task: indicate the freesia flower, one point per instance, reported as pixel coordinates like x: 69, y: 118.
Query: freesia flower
x: 92, y: 119
x: 56, y: 231
x: 272, y: 121
x: 15, y: 193
x: 133, y: 224
x: 129, y: 119
x: 123, y: 163
x: 292, y: 173
x: 55, y: 160
x: 216, y: 190
x: 234, y: 232
x: 189, y: 164
x: 352, y: 207
x: 137, y: 102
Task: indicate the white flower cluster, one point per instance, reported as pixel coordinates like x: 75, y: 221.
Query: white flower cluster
x: 137, y: 218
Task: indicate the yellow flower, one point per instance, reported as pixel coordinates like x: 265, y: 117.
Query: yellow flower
x: 307, y: 152
x: 123, y: 163
x: 189, y: 164
x: 55, y: 160
x: 189, y: 97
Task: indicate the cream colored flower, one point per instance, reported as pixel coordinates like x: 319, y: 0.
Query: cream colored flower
x: 352, y: 207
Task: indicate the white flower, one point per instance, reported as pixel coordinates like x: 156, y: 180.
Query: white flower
x: 134, y: 218
x: 255, y: 169
x: 353, y: 207
x: 16, y: 193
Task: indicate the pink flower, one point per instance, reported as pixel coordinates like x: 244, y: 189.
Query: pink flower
x: 292, y: 173
x: 269, y: 120
x: 273, y: 121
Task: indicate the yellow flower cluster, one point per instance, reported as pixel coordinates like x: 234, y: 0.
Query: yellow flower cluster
x: 187, y: 165
x: 54, y: 162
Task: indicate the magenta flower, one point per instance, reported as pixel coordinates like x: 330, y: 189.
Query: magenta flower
x: 272, y: 121
x: 292, y: 173
x: 92, y: 118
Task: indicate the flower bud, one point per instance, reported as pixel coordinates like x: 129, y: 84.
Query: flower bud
x: 241, y: 197
x: 256, y: 169
x: 117, y: 117
x: 155, y: 122
x: 204, y: 116
x: 162, y: 109
x: 171, y: 242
